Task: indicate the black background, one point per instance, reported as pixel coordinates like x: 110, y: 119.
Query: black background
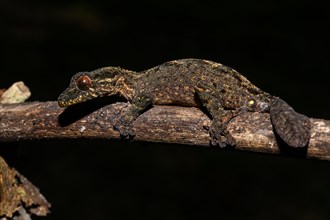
x: 282, y: 47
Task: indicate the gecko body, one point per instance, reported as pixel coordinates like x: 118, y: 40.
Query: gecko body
x: 221, y: 90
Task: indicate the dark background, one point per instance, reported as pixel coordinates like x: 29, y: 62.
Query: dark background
x: 282, y: 47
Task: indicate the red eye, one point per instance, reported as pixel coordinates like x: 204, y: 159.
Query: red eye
x: 83, y: 83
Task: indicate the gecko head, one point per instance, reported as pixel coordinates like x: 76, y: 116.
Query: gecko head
x: 85, y: 86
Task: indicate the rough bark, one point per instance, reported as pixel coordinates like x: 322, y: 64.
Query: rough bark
x: 166, y: 124
x: 18, y: 196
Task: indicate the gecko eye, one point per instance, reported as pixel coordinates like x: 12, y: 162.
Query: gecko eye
x: 83, y: 83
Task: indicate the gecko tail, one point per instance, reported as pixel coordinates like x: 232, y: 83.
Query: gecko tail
x: 293, y: 128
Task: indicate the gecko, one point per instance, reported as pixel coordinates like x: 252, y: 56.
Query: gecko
x: 222, y: 91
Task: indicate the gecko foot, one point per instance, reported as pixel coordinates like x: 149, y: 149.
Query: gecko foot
x: 220, y: 136
x: 124, y: 125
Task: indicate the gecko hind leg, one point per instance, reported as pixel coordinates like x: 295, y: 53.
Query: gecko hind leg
x: 219, y: 134
x: 218, y: 130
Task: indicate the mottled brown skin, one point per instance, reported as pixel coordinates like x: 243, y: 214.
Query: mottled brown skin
x: 188, y: 82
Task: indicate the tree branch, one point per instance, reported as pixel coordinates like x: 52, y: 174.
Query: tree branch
x: 166, y: 124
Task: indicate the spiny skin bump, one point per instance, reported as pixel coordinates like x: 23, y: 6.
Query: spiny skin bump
x: 224, y: 93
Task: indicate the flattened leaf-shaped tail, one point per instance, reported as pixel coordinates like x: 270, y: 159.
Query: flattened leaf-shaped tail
x: 293, y: 128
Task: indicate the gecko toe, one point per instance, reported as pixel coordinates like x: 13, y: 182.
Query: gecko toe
x: 220, y: 137
x: 125, y: 132
x: 125, y: 128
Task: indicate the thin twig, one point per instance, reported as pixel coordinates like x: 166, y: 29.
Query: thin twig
x: 166, y: 124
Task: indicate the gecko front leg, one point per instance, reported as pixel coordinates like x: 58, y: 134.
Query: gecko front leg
x: 124, y: 123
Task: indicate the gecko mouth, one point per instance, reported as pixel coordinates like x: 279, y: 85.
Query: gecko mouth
x: 65, y: 103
